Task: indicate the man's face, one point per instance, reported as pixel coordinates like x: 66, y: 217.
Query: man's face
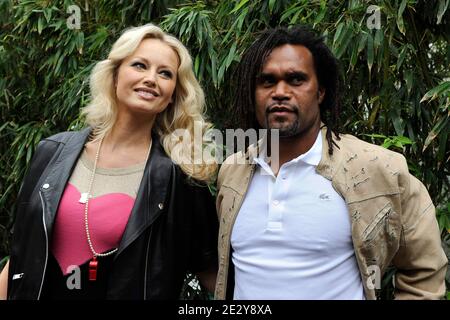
x: 287, y: 92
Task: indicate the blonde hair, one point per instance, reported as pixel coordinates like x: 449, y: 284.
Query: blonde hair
x: 185, y: 111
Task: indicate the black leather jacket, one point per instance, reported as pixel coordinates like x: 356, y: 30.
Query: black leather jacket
x: 172, y: 228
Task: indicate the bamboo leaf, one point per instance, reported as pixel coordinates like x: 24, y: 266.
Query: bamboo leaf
x: 398, y: 124
x: 400, y: 22
x: 442, y: 122
x: 338, y: 33
x: 29, y: 154
x: 294, y: 19
x: 240, y: 20
x: 362, y: 41
x: 374, y: 112
x: 354, y: 57
x: 378, y: 40
x: 441, y: 89
x: 239, y: 6
x: 375, y: 135
x: 48, y: 14
x: 294, y: 9
x: 200, y: 32
x: 321, y: 15
x: 231, y: 55
x: 344, y: 41
x: 220, y: 73
x: 80, y: 42
x: 196, y: 64
x: 370, y: 53
x: 409, y: 80
x: 401, y: 57
x: 443, y: 5
x: 271, y: 5
x: 183, y: 28
x: 58, y: 65
x: 40, y: 25
x: 214, y: 69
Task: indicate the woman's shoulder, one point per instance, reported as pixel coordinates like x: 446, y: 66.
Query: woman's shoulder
x: 52, y: 143
x: 64, y: 136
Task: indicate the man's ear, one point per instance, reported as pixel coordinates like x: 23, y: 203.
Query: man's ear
x: 321, y: 94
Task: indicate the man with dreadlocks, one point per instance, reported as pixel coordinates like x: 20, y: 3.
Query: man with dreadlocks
x: 336, y: 212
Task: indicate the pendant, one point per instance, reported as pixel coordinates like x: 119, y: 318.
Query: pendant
x: 84, y: 197
x: 93, y: 264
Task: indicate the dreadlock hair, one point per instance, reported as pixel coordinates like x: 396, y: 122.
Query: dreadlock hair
x: 325, y: 66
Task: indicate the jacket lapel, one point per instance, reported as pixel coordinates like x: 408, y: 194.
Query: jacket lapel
x: 150, y: 201
x: 329, y: 164
x: 60, y: 173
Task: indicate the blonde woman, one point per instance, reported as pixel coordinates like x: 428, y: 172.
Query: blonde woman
x: 121, y: 210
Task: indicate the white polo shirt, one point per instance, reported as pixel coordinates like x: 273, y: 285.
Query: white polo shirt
x: 292, y: 236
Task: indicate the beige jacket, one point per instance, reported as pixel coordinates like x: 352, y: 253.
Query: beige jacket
x: 392, y: 216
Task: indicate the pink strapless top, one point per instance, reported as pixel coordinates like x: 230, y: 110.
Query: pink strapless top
x: 108, y: 216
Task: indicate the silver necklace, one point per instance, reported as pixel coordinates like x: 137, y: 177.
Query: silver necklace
x: 93, y: 264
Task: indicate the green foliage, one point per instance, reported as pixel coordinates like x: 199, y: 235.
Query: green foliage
x: 396, y: 78
x: 393, y: 141
x: 443, y: 217
x: 446, y: 246
x: 3, y: 262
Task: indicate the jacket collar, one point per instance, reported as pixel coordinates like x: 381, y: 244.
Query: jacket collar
x: 60, y: 173
x: 149, y: 203
x: 150, y: 200
x: 329, y: 164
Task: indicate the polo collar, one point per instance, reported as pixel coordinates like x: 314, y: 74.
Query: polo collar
x: 311, y: 157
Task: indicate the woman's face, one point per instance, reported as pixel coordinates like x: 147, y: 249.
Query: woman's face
x: 146, y: 80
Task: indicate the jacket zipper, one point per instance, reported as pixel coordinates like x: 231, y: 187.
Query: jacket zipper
x: 146, y: 263
x: 46, y: 244
x: 377, y: 224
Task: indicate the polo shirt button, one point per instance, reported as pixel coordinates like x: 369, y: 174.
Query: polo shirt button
x: 45, y: 186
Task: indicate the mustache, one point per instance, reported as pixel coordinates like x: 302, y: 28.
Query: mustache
x: 281, y: 106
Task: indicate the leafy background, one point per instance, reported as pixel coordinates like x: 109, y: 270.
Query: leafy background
x: 396, y: 90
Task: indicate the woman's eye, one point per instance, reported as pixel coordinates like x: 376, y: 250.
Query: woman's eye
x: 167, y: 74
x: 139, y: 65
